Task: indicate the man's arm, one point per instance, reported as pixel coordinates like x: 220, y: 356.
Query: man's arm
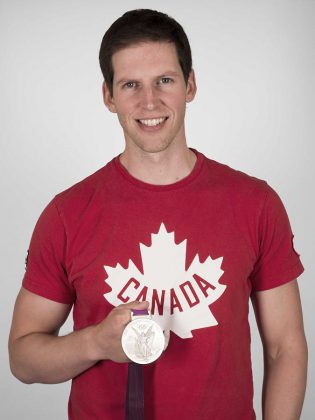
x: 280, y: 322
x: 38, y: 354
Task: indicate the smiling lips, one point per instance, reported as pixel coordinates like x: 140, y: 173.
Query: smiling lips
x: 152, y: 122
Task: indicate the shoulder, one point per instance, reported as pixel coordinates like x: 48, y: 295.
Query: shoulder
x: 81, y: 193
x: 83, y: 201
x: 244, y: 193
x: 235, y: 183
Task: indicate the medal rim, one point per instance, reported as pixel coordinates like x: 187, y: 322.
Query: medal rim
x: 124, y: 337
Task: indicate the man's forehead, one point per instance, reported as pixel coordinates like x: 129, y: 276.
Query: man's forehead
x: 150, y: 58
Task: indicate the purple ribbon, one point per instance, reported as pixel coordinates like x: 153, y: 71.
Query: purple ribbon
x: 135, y: 385
x: 140, y: 312
x: 135, y: 394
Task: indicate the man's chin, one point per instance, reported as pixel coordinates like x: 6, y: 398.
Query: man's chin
x: 154, y: 148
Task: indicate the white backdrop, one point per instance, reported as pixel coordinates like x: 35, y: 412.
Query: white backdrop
x: 254, y: 110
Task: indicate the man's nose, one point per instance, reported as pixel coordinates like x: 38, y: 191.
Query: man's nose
x: 149, y: 97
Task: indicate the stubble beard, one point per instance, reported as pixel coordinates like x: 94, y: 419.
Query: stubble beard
x: 153, y: 145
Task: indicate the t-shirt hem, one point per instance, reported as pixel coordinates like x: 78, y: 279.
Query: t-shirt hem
x: 31, y: 287
x: 281, y: 279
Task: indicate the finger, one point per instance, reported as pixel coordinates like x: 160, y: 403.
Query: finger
x: 135, y: 305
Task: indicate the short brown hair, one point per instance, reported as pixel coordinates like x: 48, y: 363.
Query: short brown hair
x: 141, y: 25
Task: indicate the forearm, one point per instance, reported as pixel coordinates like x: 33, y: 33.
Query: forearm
x: 45, y: 358
x: 284, y: 384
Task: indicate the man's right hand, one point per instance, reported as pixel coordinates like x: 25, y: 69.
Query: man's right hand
x: 107, y: 334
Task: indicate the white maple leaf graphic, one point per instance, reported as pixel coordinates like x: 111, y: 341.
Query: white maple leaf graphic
x: 179, y: 299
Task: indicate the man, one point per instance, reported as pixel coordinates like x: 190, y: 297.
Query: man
x: 164, y: 227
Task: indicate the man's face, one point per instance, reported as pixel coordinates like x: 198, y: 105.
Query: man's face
x: 150, y: 95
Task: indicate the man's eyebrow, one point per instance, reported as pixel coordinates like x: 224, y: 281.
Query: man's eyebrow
x: 169, y: 73
x: 125, y: 80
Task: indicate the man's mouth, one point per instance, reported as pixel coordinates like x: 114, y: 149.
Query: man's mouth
x: 153, y: 122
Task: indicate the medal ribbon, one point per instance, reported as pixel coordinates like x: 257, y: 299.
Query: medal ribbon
x: 135, y: 386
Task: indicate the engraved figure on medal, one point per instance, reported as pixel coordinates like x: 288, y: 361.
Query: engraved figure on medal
x: 143, y: 341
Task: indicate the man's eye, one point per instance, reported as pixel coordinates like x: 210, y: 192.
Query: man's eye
x: 129, y: 85
x: 165, y: 80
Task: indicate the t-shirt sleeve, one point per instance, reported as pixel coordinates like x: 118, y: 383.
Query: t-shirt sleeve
x: 46, y: 273
x: 277, y: 262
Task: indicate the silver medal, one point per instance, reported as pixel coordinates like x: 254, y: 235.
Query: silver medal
x: 143, y: 340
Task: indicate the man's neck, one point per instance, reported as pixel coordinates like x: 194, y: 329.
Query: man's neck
x: 159, y: 168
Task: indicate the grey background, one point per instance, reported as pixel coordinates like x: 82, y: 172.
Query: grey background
x: 254, y: 110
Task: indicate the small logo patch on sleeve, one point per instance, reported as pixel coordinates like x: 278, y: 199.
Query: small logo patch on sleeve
x: 26, y: 259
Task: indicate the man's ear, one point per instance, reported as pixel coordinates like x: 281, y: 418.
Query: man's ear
x: 107, y: 98
x: 191, y: 88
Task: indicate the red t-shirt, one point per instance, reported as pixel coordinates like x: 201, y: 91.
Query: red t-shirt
x: 195, y: 249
